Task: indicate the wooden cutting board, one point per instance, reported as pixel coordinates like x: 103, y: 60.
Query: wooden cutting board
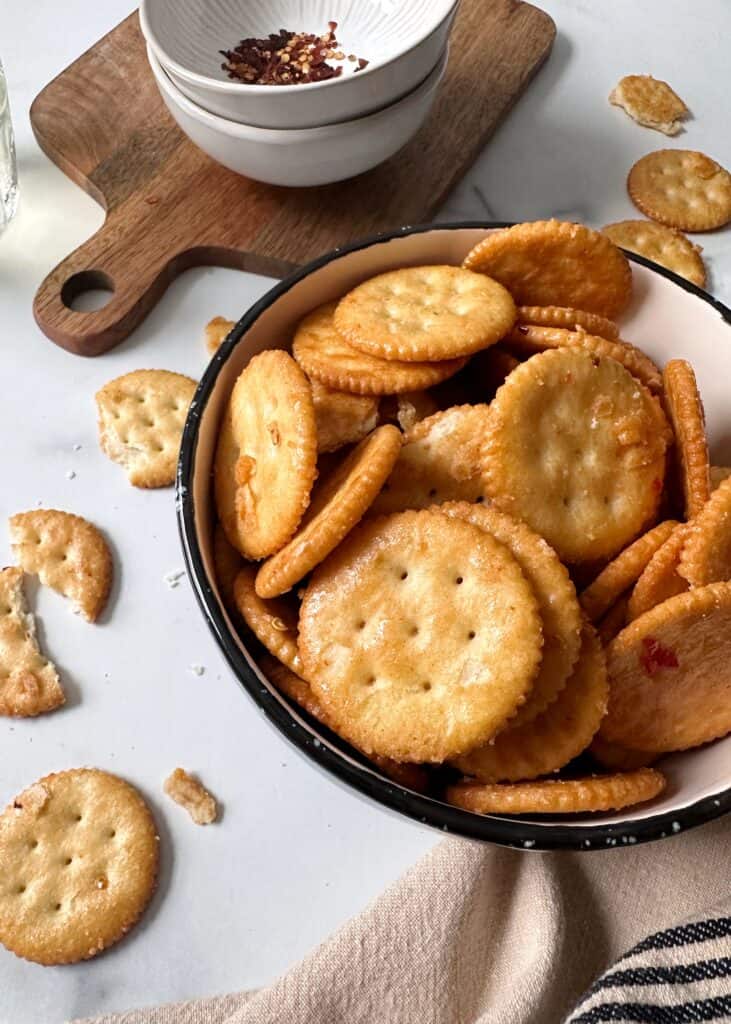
x: 169, y: 207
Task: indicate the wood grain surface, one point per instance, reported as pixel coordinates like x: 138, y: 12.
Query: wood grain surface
x: 170, y: 207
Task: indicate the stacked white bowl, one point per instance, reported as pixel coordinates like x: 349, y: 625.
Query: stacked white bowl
x: 311, y: 133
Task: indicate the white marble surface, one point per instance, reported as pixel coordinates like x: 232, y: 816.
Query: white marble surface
x: 295, y: 855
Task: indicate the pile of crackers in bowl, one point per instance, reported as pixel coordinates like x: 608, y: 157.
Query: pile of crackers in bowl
x: 476, y: 532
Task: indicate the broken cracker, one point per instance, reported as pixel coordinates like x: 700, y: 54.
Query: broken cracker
x: 79, y: 851
x: 550, y: 262
x: 342, y: 418
x: 662, y: 245
x: 681, y: 188
x: 425, y: 313
x: 190, y: 793
x: 706, y: 552
x: 575, y: 446
x: 685, y: 409
x: 29, y: 683
x: 337, y: 505
x: 415, y: 583
x: 67, y: 553
x: 141, y: 419
x: 570, y: 319
x: 216, y: 332
x: 274, y: 622
x: 559, y: 796
x: 660, y: 579
x: 650, y: 102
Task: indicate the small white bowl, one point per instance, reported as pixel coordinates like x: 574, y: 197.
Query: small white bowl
x: 309, y: 156
x: 401, y: 39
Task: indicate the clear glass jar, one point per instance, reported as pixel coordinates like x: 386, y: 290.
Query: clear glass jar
x: 8, y: 166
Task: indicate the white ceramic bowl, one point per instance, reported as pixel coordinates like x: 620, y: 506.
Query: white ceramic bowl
x: 401, y: 39
x: 668, y: 318
x: 309, y: 156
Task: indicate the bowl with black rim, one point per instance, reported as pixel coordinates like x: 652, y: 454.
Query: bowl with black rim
x: 668, y: 318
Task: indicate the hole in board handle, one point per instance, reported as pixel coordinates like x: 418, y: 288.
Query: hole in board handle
x: 87, y: 291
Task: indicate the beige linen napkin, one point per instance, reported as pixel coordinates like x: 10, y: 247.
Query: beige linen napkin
x: 482, y: 935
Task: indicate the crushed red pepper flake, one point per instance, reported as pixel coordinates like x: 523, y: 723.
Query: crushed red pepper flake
x: 287, y: 58
x: 656, y: 655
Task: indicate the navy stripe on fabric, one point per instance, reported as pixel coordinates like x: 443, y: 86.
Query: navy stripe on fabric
x: 683, y: 935
x: 651, y: 1013
x: 656, y: 974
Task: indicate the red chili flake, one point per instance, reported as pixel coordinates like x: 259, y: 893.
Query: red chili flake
x: 656, y: 656
x: 657, y: 484
x: 286, y: 58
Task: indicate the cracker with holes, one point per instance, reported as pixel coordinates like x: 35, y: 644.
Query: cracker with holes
x: 569, y: 319
x: 338, y: 504
x: 575, y: 446
x: 557, y: 602
x: 79, y: 851
x: 706, y: 553
x: 29, y: 683
x: 681, y: 188
x: 67, y: 553
x: 662, y: 245
x: 266, y: 460
x: 550, y: 262
x: 425, y: 313
x: 327, y: 357
x: 441, y: 460
x: 273, y: 622
x: 554, y: 737
x: 400, y: 645
x: 688, y: 418
x: 342, y: 418
x: 216, y: 332
x: 651, y: 102
x: 559, y: 796
x: 670, y: 674
x: 189, y: 793
x: 141, y: 418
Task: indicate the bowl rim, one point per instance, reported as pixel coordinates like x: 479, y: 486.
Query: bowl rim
x: 288, y: 136
x: 204, y: 81
x: 505, y: 831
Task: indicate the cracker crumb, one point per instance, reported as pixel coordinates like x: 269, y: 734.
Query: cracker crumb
x: 173, y: 578
x: 70, y: 474
x: 77, y: 447
x: 190, y: 793
x: 197, y: 670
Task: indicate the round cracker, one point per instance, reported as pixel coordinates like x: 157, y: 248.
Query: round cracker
x: 575, y: 446
x: 267, y: 455
x: 670, y: 674
x: 557, y: 735
x: 326, y: 356
x: 623, y: 571
x: 681, y: 188
x: 685, y: 409
x: 559, y: 796
x: 614, y: 621
x: 440, y: 460
x: 342, y: 418
x: 706, y: 553
x: 226, y: 564
x: 274, y: 623
x: 401, y: 645
x: 618, y: 759
x: 79, y: 851
x: 659, y: 579
x: 557, y: 603
x: 570, y: 319
x: 425, y: 313
x: 549, y: 262
x: 338, y: 504
x: 660, y: 244
x: 529, y: 339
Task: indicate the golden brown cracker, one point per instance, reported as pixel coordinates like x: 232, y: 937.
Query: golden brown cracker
x: 670, y: 674
x: 706, y: 553
x: 189, y: 792
x: 342, y: 418
x: 575, y: 446
x: 29, y: 683
x: 554, y: 737
x: 401, y: 646
x: 414, y: 406
x: 550, y: 262
x: 569, y: 319
x: 623, y: 571
x: 651, y: 102
x: 338, y: 504
x: 617, y: 759
x: 662, y: 245
x: 79, y: 851
x: 141, y: 419
x: 685, y: 410
x: 559, y: 796
x: 67, y: 553
x: 327, y: 357
x: 273, y: 622
x: 659, y: 579
x: 425, y: 314
x: 681, y: 188
x: 216, y: 332
x: 613, y: 621
x: 267, y: 455
x: 440, y: 460
x: 557, y: 603
x: 226, y: 564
